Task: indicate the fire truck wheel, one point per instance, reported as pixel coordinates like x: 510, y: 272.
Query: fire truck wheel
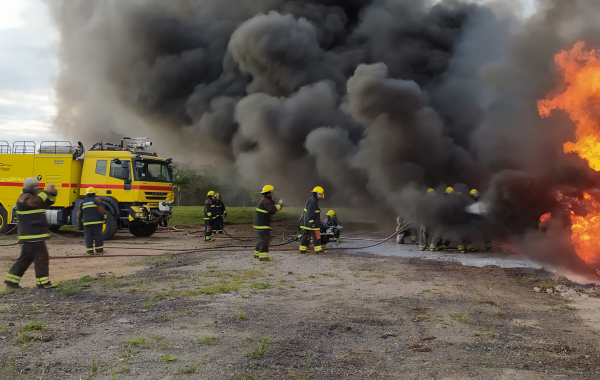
x: 109, y: 228
x: 54, y: 228
x: 4, y: 225
x: 142, y: 229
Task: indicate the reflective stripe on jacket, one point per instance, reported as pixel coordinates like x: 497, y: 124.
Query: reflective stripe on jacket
x: 311, y: 218
x: 209, y: 209
x: 32, y: 224
x: 92, y: 211
x: 264, y: 209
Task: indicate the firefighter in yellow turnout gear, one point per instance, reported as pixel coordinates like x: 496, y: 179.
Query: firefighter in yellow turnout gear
x: 262, y: 222
x: 209, y: 216
x: 33, y: 231
x: 92, y: 213
x: 311, y: 222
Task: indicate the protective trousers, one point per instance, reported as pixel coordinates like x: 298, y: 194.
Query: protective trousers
x: 307, y: 235
x: 218, y: 224
x: 37, y: 253
x: 412, y: 232
x: 208, y: 228
x: 423, y: 236
x: 261, y: 251
x: 93, y: 232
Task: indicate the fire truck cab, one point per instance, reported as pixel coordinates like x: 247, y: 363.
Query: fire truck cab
x: 134, y: 185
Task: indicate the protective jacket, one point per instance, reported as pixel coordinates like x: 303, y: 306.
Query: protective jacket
x: 331, y: 222
x: 31, y: 216
x: 264, y: 209
x: 92, y: 210
x: 219, y: 207
x: 311, y: 218
x: 209, y: 209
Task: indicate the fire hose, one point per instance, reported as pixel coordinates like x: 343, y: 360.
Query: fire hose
x: 215, y: 249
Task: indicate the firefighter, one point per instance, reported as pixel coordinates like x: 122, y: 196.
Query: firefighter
x: 477, y: 212
x: 438, y: 243
x: 220, y: 213
x: 311, y: 222
x: 33, y: 230
x: 209, y: 216
x: 92, y: 214
x: 425, y: 230
x: 332, y: 224
x: 408, y: 230
x: 262, y: 222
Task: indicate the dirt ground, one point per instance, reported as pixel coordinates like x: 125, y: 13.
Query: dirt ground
x: 346, y: 314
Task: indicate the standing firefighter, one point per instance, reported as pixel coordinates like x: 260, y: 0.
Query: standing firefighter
x: 311, y: 222
x: 33, y: 230
x: 209, y: 216
x: 262, y: 222
x: 220, y: 213
x: 93, y: 214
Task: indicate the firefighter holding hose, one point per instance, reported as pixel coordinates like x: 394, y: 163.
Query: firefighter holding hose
x: 92, y: 214
x: 262, y: 222
x: 311, y: 222
x: 33, y: 231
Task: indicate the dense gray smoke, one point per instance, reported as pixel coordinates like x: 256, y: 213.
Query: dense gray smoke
x: 376, y: 100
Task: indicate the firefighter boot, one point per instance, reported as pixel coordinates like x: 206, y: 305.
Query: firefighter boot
x: 433, y: 247
x: 461, y: 249
x: 264, y: 256
x: 422, y: 248
x: 256, y: 254
x: 471, y: 248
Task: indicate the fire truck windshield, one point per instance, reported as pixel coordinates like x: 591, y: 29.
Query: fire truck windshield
x: 151, y: 171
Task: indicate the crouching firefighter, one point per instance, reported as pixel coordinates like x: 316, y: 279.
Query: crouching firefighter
x: 332, y: 225
x: 92, y: 214
x: 209, y: 216
x: 262, y: 222
x: 33, y: 230
x: 311, y: 222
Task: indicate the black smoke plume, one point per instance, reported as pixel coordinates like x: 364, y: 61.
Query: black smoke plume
x: 376, y: 100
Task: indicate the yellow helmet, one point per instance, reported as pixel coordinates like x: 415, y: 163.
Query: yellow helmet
x: 216, y: 194
x: 267, y: 188
x: 331, y: 213
x: 210, y: 193
x: 319, y: 190
x: 449, y: 190
x: 430, y: 191
x: 473, y: 192
x: 90, y: 190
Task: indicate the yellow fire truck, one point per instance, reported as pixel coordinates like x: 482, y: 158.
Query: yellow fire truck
x: 134, y: 185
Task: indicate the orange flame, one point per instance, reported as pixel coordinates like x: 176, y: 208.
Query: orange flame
x: 546, y: 217
x: 580, y: 99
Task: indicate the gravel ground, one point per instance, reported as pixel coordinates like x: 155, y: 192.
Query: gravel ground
x: 347, y: 314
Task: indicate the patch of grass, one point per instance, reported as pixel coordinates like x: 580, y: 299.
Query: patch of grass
x: 136, y: 342
x: 208, y: 340
x: 480, y: 300
x: 28, y: 311
x: 147, y: 304
x: 85, y: 279
x: 489, y: 330
x: 242, y: 315
x: 462, y: 318
x: 95, y: 367
x: 153, y: 260
x: 224, y: 287
x: 190, y: 370
x: 34, y: 325
x: 167, y: 318
x: 488, y: 357
x: 261, y: 350
x: 187, y: 312
x: 565, y: 307
x: 167, y: 358
x: 426, y: 290
x: 306, y: 373
x: 24, y: 339
x: 260, y: 286
x: 543, y: 283
x: 111, y: 282
x: 67, y: 289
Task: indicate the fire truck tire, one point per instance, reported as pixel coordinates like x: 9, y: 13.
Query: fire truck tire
x: 54, y: 228
x: 4, y: 225
x: 142, y: 229
x: 110, y: 226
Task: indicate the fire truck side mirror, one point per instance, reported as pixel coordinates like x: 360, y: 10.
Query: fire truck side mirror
x: 125, y: 172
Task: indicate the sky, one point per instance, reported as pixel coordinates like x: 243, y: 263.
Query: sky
x: 28, y: 70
